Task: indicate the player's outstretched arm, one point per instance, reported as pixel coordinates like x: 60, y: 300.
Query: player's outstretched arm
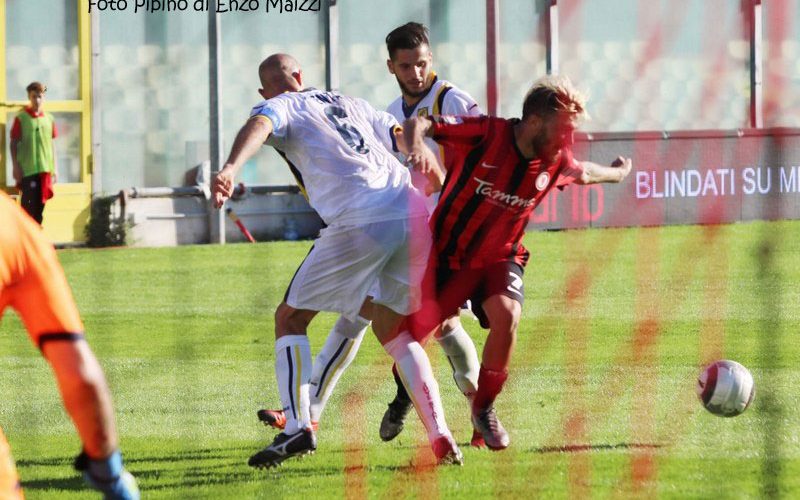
x: 419, y: 156
x: 88, y: 401
x: 249, y: 139
x: 594, y: 173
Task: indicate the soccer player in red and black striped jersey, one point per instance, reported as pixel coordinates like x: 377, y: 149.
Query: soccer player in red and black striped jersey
x: 500, y: 171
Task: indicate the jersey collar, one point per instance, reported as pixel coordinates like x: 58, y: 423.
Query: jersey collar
x: 34, y: 114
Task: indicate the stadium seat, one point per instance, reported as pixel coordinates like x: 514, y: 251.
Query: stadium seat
x: 444, y: 51
x: 167, y: 96
x: 613, y: 51
x: 359, y: 53
x: 374, y: 72
x: 17, y: 55
x: 147, y: 55
x: 586, y: 51
x: 739, y: 50
x: 241, y: 55
x: 115, y: 55
x: 129, y: 77
x: 53, y: 55
x: 62, y: 82
x: 304, y: 52
x: 158, y: 75
x: 474, y: 53
x: 790, y: 49
x: 532, y: 53
x: 157, y: 142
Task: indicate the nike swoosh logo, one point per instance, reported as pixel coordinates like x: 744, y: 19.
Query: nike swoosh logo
x: 486, y: 165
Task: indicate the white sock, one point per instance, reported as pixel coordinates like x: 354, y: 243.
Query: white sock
x: 336, y: 355
x: 415, y: 371
x: 293, y: 369
x: 460, y: 351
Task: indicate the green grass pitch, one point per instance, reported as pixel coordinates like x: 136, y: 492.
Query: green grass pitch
x: 600, y: 401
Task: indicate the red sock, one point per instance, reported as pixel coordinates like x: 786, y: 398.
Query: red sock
x: 490, y: 383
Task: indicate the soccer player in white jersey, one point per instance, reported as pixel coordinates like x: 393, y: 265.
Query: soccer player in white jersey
x: 422, y: 94
x: 376, y: 241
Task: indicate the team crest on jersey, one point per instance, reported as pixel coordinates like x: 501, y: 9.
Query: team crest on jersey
x: 542, y: 180
x: 422, y: 112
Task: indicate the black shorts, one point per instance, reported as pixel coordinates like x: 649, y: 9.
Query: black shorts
x: 32, y: 197
x: 447, y: 289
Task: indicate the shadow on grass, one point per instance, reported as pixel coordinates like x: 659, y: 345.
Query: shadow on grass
x: 70, y: 483
x: 181, y: 468
x: 575, y: 448
x: 46, y: 462
x: 208, y: 467
x: 200, y: 454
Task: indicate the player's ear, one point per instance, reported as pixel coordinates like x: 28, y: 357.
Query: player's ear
x: 534, y: 122
x: 263, y: 93
x: 298, y: 75
x: 390, y: 66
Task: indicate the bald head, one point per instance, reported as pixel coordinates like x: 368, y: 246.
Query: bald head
x: 279, y: 73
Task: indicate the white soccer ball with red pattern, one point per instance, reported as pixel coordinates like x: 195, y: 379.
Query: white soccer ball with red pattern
x: 725, y: 388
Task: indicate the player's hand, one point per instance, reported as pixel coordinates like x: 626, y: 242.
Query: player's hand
x: 431, y: 188
x: 222, y: 187
x: 422, y: 160
x: 108, y: 476
x: 625, y: 164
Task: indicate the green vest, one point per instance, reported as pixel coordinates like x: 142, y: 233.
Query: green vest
x: 35, y: 149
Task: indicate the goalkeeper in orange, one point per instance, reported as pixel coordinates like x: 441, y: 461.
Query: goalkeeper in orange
x: 33, y: 283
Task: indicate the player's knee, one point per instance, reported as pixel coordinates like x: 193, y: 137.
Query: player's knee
x: 504, y: 315
x: 450, y: 324
x: 289, y: 320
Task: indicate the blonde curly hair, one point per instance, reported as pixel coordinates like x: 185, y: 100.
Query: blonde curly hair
x: 554, y: 94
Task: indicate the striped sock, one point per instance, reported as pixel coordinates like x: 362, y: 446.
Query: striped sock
x: 336, y: 355
x: 293, y: 370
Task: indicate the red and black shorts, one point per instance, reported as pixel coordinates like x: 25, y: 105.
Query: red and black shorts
x: 445, y: 290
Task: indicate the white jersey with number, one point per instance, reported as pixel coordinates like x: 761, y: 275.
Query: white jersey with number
x: 443, y: 98
x: 338, y: 148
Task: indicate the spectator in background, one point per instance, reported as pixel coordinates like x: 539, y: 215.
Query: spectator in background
x: 33, y: 154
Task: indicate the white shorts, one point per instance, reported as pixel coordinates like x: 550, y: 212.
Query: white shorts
x: 384, y: 259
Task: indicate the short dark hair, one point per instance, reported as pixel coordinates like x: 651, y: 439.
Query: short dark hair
x: 36, y: 87
x: 408, y: 36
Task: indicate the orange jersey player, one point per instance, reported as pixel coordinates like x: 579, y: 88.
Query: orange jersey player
x: 33, y: 283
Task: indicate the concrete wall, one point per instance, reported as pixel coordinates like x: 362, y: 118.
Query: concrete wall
x: 169, y: 220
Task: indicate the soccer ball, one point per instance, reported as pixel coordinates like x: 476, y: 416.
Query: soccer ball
x: 725, y: 388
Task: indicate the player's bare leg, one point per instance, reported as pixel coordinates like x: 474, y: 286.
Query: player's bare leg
x: 503, y: 314
x: 293, y: 371
x: 414, y: 370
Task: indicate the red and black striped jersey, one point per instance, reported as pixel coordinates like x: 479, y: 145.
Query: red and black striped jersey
x: 490, y: 191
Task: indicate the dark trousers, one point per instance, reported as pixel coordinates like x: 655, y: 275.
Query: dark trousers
x: 32, y: 197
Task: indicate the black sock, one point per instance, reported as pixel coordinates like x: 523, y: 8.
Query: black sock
x: 402, y: 394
